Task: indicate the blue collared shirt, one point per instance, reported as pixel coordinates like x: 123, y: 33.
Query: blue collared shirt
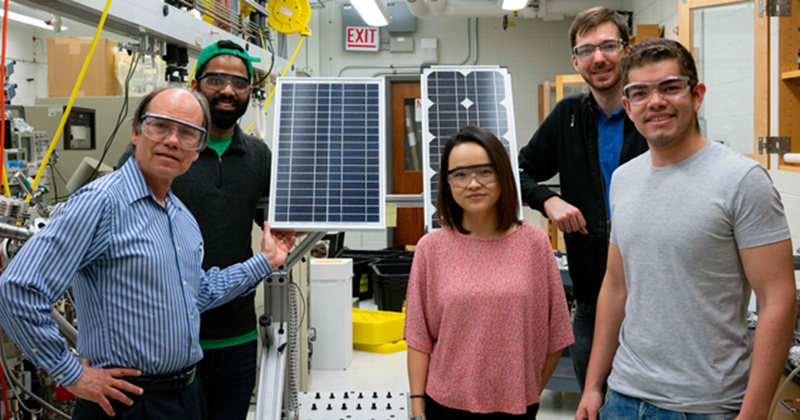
x: 610, y: 132
x: 135, y: 270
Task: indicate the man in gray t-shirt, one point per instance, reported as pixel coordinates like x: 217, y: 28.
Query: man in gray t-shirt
x: 695, y: 227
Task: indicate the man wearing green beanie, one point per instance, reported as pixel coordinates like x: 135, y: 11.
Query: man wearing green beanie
x: 222, y: 189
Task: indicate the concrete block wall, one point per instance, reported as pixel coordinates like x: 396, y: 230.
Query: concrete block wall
x: 534, y: 51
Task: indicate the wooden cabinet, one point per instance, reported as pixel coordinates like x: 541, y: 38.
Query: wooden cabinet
x: 789, y: 83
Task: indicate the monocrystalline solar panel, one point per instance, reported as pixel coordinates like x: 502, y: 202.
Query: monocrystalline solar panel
x: 328, y: 150
x: 453, y: 98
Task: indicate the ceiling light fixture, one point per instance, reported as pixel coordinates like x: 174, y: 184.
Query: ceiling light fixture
x: 372, y: 12
x: 514, y: 4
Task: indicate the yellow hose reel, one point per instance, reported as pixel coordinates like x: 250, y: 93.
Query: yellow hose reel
x: 289, y: 16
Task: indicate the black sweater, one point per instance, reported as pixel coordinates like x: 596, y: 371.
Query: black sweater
x: 222, y: 193
x: 566, y: 144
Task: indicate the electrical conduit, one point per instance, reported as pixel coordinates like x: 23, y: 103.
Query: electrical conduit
x: 472, y: 39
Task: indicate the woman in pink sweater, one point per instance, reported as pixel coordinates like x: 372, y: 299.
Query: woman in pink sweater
x: 486, y: 315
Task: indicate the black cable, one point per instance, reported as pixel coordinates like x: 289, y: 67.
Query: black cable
x: 123, y: 113
x: 271, y: 62
x: 62, y: 180
x: 60, y: 175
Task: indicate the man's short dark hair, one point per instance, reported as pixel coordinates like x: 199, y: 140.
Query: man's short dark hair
x: 589, y: 19
x: 656, y: 50
x: 448, y: 212
x: 144, y: 106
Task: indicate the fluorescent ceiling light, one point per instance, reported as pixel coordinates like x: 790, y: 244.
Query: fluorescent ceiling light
x: 514, y: 4
x: 372, y: 12
x: 29, y: 20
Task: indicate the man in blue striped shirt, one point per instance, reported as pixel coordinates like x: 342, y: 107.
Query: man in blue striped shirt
x: 132, y: 253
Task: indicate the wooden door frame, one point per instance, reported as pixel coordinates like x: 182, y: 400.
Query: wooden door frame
x: 397, y: 160
x: 761, y: 59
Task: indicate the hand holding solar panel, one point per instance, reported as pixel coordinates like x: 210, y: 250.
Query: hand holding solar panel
x: 275, y: 245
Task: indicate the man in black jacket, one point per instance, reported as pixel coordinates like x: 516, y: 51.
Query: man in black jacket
x: 583, y: 140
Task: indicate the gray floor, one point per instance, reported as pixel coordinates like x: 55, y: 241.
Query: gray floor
x: 387, y: 373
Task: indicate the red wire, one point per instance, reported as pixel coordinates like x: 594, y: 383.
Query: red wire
x: 2, y: 153
x: 5, y: 395
x: 3, y: 91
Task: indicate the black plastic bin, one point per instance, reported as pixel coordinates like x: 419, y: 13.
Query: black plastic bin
x: 390, y: 282
x: 362, y: 286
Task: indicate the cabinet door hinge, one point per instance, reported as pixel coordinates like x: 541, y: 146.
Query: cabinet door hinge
x: 773, y: 145
x: 774, y: 8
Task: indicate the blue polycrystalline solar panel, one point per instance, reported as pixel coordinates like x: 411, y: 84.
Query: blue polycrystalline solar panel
x: 453, y: 98
x: 327, y: 171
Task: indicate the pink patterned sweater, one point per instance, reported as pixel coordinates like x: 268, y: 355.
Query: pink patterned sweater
x: 488, y: 311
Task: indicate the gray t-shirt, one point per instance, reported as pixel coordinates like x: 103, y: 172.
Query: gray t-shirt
x: 684, y: 344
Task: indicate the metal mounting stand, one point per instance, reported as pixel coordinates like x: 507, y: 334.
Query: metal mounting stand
x: 274, y: 385
x: 273, y: 382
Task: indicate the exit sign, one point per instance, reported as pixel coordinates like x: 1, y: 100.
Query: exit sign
x: 362, y: 38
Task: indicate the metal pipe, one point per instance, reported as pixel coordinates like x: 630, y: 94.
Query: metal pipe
x: 69, y: 332
x: 472, y: 38
x: 226, y: 10
x: 472, y: 61
x: 417, y: 8
x: 14, y: 232
x: 222, y: 19
x: 219, y: 14
x: 377, y: 66
x: 393, y: 73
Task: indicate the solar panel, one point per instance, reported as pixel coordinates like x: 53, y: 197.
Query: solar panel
x: 455, y: 97
x: 328, y: 154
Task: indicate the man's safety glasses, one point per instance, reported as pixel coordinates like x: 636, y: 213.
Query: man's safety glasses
x: 158, y: 128
x: 669, y: 88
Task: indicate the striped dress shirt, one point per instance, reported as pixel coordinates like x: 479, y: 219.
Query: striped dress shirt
x: 135, y: 271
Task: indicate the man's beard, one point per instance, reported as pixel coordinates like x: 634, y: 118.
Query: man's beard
x: 226, y: 119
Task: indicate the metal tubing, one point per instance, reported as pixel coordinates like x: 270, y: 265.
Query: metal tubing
x: 406, y: 200
x: 14, y: 232
x: 67, y: 330
x: 271, y: 378
x: 301, y: 250
x: 471, y: 39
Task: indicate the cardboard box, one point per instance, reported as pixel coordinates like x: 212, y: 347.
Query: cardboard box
x: 65, y: 57
x: 648, y: 31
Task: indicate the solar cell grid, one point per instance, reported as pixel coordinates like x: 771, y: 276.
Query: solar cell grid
x: 457, y: 97
x: 327, y: 155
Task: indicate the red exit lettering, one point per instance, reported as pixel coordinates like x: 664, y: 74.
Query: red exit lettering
x: 362, y: 37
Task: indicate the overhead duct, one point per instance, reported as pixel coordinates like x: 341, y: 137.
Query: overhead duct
x: 437, y: 6
x: 544, y: 9
x: 418, y: 8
